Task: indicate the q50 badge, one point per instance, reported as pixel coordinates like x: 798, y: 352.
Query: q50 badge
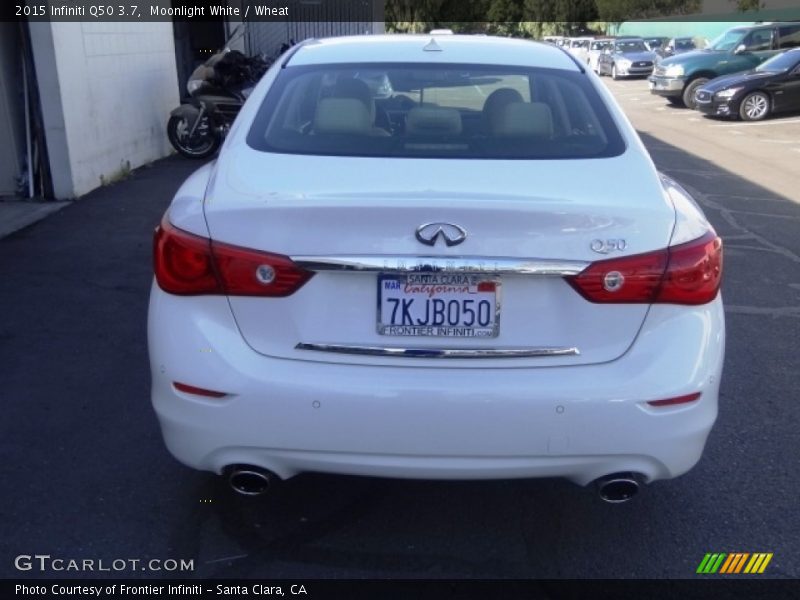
x: 608, y: 246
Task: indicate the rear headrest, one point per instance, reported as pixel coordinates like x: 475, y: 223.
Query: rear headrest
x: 496, y: 102
x: 525, y: 119
x: 429, y: 120
x: 342, y: 115
x: 355, y: 88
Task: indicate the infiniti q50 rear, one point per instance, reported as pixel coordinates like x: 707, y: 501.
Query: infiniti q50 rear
x: 473, y: 270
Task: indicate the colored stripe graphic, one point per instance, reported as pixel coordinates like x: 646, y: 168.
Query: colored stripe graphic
x: 726, y: 566
x: 734, y: 563
x: 710, y: 563
x: 766, y: 562
x: 758, y: 563
x: 740, y: 564
x: 722, y: 563
x: 703, y: 563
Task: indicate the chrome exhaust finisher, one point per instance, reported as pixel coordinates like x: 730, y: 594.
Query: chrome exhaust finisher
x: 251, y: 481
x: 618, y: 487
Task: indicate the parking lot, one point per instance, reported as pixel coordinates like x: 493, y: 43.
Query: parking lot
x: 87, y: 475
x: 765, y: 153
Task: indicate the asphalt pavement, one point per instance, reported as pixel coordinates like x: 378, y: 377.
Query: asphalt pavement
x: 86, y: 474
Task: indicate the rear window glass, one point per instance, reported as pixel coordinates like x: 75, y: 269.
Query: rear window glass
x: 631, y: 46
x: 441, y: 111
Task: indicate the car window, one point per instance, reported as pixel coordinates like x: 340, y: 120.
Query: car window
x: 441, y: 111
x: 780, y: 63
x: 631, y: 46
x: 684, y: 44
x: 728, y: 40
x: 789, y: 37
x: 758, y: 39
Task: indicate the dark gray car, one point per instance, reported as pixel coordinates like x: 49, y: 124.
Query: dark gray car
x: 626, y: 58
x: 679, y: 45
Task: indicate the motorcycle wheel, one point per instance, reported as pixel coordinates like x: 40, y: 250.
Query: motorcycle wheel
x: 205, y: 142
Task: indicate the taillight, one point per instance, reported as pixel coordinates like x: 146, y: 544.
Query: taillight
x: 689, y: 273
x: 182, y: 262
x: 187, y: 264
x: 694, y: 273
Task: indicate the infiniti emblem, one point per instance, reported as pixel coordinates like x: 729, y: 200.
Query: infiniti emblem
x: 430, y: 232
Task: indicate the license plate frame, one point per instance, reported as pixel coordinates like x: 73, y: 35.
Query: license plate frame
x: 446, y: 330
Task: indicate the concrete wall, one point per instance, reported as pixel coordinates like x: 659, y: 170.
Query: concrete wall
x: 107, y: 90
x: 12, y: 107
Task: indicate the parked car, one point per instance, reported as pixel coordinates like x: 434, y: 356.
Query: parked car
x: 739, y: 49
x: 595, y: 50
x: 627, y: 57
x: 772, y: 87
x: 579, y: 47
x: 679, y: 45
x: 327, y: 293
x: 552, y: 39
x: 655, y: 43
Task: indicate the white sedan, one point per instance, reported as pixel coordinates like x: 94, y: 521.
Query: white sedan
x: 478, y: 274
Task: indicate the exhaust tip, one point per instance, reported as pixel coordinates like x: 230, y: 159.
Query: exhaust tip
x: 618, y: 488
x: 251, y: 481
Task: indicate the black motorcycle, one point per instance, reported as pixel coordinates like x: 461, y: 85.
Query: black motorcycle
x: 217, y: 90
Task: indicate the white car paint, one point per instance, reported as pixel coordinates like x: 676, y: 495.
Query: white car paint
x: 289, y: 410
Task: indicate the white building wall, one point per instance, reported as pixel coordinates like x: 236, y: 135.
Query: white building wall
x: 118, y: 84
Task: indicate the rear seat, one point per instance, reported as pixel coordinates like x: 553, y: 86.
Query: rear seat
x: 348, y: 116
x: 430, y: 120
x: 524, y: 119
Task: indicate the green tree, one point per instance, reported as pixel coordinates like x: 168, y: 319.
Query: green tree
x: 416, y: 16
x: 617, y: 11
x: 743, y: 5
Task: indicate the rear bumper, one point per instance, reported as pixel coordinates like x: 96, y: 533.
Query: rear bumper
x: 576, y: 422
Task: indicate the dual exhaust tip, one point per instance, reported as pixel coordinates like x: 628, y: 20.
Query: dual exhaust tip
x: 618, y: 487
x: 251, y: 481
x: 255, y: 481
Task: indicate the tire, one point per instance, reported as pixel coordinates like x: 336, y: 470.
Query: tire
x: 614, y: 75
x: 202, y: 146
x: 755, y: 106
x: 675, y: 100
x: 690, y: 89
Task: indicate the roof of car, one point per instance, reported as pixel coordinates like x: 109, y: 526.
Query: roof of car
x: 432, y: 49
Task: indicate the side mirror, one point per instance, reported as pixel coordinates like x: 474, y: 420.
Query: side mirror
x: 740, y: 49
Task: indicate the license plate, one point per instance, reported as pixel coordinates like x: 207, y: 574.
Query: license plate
x: 438, y: 305
x: 652, y: 85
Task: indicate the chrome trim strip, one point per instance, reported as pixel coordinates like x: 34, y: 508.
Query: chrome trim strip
x: 441, y: 352
x: 434, y: 264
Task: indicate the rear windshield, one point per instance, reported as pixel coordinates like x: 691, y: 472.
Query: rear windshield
x: 631, y: 46
x: 434, y: 111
